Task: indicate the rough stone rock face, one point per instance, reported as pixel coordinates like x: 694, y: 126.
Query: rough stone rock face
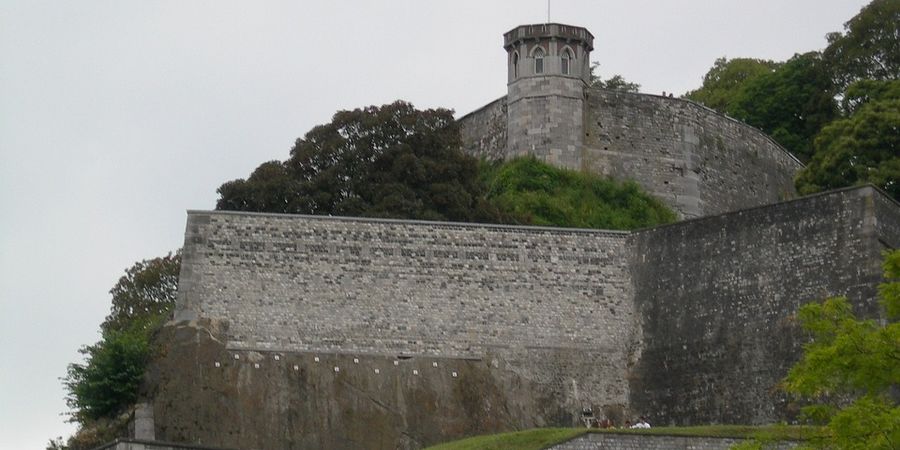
x: 206, y: 394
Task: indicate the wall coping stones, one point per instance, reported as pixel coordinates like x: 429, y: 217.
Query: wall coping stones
x: 864, y: 189
x: 709, y: 110
x: 460, y: 225
x: 481, y: 108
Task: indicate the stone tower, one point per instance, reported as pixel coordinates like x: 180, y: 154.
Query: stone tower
x: 549, y: 67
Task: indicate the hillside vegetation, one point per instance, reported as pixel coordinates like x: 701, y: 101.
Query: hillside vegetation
x: 398, y: 162
x: 539, y: 194
x: 838, y: 110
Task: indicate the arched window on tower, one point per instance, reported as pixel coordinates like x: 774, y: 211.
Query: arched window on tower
x: 515, y: 64
x: 566, y: 61
x: 538, y: 60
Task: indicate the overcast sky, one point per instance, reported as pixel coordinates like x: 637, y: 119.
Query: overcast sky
x: 117, y: 116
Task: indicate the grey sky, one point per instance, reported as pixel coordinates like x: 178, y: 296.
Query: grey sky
x: 117, y: 116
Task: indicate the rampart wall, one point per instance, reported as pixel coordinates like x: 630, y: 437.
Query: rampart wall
x: 556, y: 304
x: 687, y: 323
x: 390, y: 287
x: 483, y: 131
x: 717, y: 297
x: 698, y: 161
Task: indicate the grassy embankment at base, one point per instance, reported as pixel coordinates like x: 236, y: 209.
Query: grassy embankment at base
x: 541, y: 438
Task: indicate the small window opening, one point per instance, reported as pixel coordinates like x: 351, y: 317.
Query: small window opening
x: 566, y: 59
x: 515, y: 64
x: 539, y: 60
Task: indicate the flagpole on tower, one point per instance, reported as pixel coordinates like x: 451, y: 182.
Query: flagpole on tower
x: 548, y: 11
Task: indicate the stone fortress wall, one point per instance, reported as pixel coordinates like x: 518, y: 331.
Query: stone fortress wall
x: 396, y: 288
x: 717, y: 297
x: 328, y: 332
x: 698, y: 161
x: 687, y: 323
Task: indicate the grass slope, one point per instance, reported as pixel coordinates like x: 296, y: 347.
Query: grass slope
x: 542, y: 438
x: 536, y: 193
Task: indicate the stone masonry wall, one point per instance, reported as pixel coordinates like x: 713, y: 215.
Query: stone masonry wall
x: 483, y: 131
x: 887, y: 220
x: 700, y: 162
x: 687, y: 323
x: 556, y: 303
x: 546, y: 119
x: 717, y: 296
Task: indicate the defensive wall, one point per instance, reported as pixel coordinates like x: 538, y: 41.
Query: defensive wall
x: 308, y: 331
x: 717, y: 298
x: 698, y: 161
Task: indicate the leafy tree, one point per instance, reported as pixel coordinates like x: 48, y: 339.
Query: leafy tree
x: 791, y: 103
x: 146, y: 292
x: 869, y: 48
x: 616, y: 82
x: 537, y: 193
x: 851, y: 369
x: 863, y: 148
x: 864, y: 91
x: 725, y: 79
x: 388, y: 161
x: 107, y: 382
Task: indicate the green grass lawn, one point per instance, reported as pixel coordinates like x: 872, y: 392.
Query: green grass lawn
x: 541, y: 438
x: 535, y: 439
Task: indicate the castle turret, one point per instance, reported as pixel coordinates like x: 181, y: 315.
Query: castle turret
x: 549, y: 67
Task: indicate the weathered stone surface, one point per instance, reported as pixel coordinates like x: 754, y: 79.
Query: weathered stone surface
x: 698, y: 161
x: 687, y: 323
x: 483, y: 131
x: 207, y: 394
x: 717, y: 297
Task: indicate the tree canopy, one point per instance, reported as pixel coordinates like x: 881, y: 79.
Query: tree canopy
x: 146, y: 292
x: 869, y: 47
x: 791, y: 103
x: 850, y: 368
x: 107, y: 382
x: 862, y: 148
x: 616, y: 82
x: 389, y: 161
x: 724, y: 81
x: 396, y: 161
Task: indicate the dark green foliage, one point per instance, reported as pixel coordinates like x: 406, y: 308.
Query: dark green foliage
x: 616, y: 82
x: 791, y: 103
x: 869, y: 48
x: 539, y: 194
x: 107, y: 383
x: 850, y: 369
x: 146, y: 291
x: 395, y: 161
x: 726, y: 78
x: 389, y: 161
x: 863, y: 148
